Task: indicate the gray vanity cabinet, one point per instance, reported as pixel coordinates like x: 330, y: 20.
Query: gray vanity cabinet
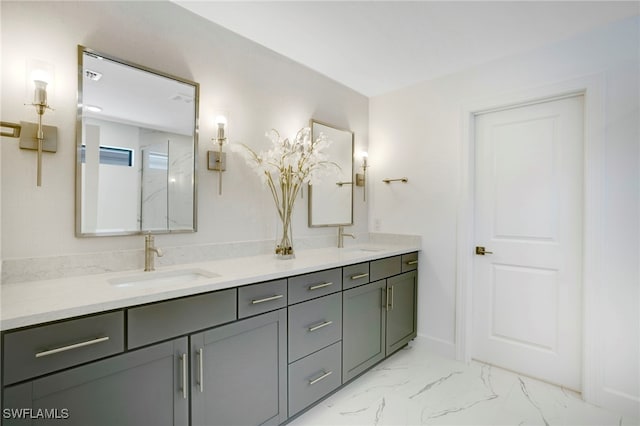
x: 363, y: 332
x: 239, y: 372
x: 380, y: 317
x: 253, y: 355
x: 401, y: 301
x: 142, y: 387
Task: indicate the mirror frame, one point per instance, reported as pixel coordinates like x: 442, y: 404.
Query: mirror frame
x: 79, y: 117
x: 310, y: 187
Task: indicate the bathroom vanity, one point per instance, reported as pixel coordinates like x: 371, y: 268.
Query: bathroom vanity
x: 245, y: 345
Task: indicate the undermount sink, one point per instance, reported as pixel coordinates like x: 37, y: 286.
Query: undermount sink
x: 152, y: 279
x: 365, y: 249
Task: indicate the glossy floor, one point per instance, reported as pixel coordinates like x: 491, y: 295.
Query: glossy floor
x: 415, y: 387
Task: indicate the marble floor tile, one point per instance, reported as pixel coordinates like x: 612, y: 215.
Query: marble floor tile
x: 416, y: 387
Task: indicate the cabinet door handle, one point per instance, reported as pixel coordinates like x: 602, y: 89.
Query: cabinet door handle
x: 412, y: 262
x: 386, y: 302
x: 317, y: 286
x: 183, y: 371
x: 200, y: 356
x: 70, y: 347
x: 321, y: 325
x: 383, y: 297
x: 267, y: 299
x: 324, y: 376
x: 391, y: 288
x: 357, y: 277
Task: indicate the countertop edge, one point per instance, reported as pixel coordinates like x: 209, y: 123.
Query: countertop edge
x: 272, y: 269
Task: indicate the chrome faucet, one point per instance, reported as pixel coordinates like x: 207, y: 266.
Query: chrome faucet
x: 341, y: 235
x: 149, y: 253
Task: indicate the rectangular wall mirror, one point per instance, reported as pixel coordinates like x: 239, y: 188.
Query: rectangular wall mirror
x: 331, y: 201
x: 137, y: 135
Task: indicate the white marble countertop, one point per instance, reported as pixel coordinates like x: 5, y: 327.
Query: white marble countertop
x: 29, y: 303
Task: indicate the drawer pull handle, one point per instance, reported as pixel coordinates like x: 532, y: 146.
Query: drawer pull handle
x: 70, y: 347
x: 412, y: 262
x: 319, y: 326
x: 267, y: 299
x: 200, y: 369
x: 317, y: 286
x: 324, y: 376
x: 357, y: 277
x: 183, y: 363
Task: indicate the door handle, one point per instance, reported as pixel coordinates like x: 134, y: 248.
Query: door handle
x: 183, y: 364
x: 481, y: 251
x: 200, y: 356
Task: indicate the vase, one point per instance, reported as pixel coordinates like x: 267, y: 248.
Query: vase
x: 284, y: 238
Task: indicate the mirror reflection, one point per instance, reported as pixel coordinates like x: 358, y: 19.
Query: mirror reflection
x: 137, y: 140
x: 331, y: 201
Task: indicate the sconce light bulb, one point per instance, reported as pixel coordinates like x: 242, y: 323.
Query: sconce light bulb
x: 221, y: 120
x: 41, y: 75
x: 364, y: 155
x: 40, y: 93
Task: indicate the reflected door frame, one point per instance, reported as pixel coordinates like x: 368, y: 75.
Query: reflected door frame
x: 592, y: 88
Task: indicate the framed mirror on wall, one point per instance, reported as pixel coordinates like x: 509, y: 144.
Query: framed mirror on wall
x: 331, y: 201
x: 137, y: 136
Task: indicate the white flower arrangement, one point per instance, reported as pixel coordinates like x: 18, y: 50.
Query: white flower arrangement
x: 285, y: 168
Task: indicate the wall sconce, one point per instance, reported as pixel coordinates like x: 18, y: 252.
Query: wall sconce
x: 36, y: 136
x: 361, y: 179
x: 217, y: 160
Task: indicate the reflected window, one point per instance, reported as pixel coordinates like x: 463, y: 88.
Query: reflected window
x: 111, y: 155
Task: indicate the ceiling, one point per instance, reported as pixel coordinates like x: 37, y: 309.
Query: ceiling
x: 376, y: 47
x: 130, y: 95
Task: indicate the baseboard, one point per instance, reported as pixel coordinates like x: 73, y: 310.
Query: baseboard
x: 438, y: 346
x: 625, y: 404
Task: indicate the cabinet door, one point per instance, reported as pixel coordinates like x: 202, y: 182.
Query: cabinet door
x: 363, y: 332
x: 239, y: 372
x: 401, y: 310
x: 142, y: 387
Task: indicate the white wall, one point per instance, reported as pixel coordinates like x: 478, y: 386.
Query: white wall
x: 417, y: 132
x: 259, y: 89
x: 112, y: 203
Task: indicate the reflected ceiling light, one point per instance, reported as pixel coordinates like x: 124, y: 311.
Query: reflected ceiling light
x: 92, y: 75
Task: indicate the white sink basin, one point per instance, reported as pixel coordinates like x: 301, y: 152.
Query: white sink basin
x: 152, y: 279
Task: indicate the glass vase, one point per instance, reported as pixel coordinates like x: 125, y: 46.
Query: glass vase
x: 284, y: 238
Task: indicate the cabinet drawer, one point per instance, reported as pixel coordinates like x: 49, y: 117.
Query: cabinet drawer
x: 355, y: 275
x: 313, y: 377
x: 383, y: 268
x: 40, y: 350
x: 165, y: 320
x: 309, y: 286
x: 409, y: 262
x: 259, y: 298
x: 314, y: 325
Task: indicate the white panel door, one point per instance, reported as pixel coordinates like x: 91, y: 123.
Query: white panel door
x: 527, y: 297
